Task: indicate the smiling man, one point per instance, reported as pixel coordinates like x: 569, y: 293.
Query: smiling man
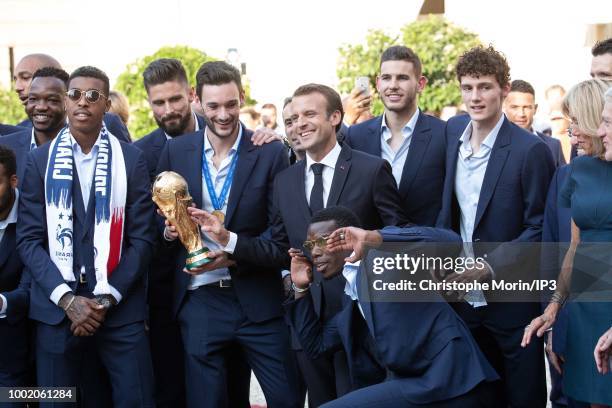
x: 46, y: 109
x: 410, y: 140
x: 497, y: 176
x: 85, y: 234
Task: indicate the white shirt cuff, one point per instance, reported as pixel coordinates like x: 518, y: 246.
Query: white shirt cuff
x: 284, y: 273
x: 115, y: 293
x: 231, y: 244
x: 58, y: 292
x: 166, y: 237
x: 3, y: 309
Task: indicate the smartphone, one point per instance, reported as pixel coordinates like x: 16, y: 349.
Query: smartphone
x: 363, y: 83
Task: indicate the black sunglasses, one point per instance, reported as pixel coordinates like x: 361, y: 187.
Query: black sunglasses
x: 91, y: 95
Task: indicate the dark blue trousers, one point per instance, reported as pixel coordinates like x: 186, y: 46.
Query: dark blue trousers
x: 212, y: 321
x: 62, y: 361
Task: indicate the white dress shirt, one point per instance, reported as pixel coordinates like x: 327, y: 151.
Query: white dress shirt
x: 10, y: 219
x: 329, y: 162
x: 470, y: 173
x: 85, y: 164
x: 350, y: 288
x: 218, y: 177
x: 397, y: 159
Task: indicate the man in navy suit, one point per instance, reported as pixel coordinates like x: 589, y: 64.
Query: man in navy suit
x: 520, y: 108
x: 329, y: 175
x: 24, y: 72
x: 408, y: 354
x: 497, y: 176
x: 14, y: 343
x: 46, y: 109
x: 410, y: 140
x: 229, y: 302
x: 72, y: 322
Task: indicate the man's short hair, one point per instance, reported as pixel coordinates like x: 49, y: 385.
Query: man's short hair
x: 269, y: 106
x: 92, y: 72
x: 602, y: 47
x: 217, y: 73
x: 480, y: 61
x: 164, y: 70
x: 8, y: 161
x: 251, y: 111
x: 518, y: 85
x: 287, y: 101
x: 334, y: 103
x: 402, y: 53
x: 52, y: 72
x: 342, y: 216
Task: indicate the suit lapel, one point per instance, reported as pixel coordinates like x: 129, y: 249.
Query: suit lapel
x: 421, y: 137
x: 364, y: 301
x: 192, y: 171
x: 299, y: 188
x: 7, y: 244
x: 343, y: 165
x: 497, y: 160
x: 247, y: 157
x: 373, y: 141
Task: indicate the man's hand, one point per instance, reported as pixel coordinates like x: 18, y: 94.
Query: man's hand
x: 265, y: 135
x: 210, y: 225
x: 83, y: 312
x: 301, y: 270
x: 603, y: 352
x: 354, y: 105
x: 220, y: 260
x: 353, y: 239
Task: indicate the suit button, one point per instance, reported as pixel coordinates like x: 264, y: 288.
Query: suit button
x: 477, y: 240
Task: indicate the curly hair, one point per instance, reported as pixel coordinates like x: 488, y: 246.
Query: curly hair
x: 481, y: 61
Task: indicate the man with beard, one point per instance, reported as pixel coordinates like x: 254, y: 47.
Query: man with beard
x: 24, y: 73
x: 411, y: 141
x: 225, y: 303
x: 46, y: 109
x: 170, y: 98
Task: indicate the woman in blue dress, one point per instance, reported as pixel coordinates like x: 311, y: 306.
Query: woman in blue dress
x: 585, y: 280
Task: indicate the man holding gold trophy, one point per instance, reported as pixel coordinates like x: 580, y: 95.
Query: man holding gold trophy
x: 220, y: 303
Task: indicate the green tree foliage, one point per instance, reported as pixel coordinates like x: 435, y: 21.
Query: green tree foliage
x: 11, y: 109
x: 131, y: 85
x: 438, y: 43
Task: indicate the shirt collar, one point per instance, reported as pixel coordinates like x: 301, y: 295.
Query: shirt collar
x: 12, y: 217
x: 489, y: 141
x: 77, y: 148
x: 197, y: 125
x: 329, y: 160
x: 406, y: 130
x: 350, y: 274
x: 208, y: 146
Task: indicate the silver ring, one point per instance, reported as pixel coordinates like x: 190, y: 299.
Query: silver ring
x: 527, y: 327
x: 342, y: 236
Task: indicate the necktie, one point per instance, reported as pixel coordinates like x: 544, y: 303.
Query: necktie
x: 316, y: 194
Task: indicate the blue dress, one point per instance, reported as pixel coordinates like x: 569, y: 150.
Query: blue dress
x: 588, y: 192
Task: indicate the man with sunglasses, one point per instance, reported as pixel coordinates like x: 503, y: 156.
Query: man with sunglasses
x: 401, y: 353
x: 24, y: 73
x: 85, y: 233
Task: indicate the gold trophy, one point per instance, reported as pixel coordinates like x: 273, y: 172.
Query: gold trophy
x: 171, y: 194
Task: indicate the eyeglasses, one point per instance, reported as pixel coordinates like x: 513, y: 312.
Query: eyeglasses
x: 91, y: 95
x: 320, y: 242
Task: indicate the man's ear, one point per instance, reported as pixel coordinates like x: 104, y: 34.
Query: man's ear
x: 13, y: 181
x: 421, y: 83
x: 242, y: 98
x: 335, y: 118
x: 108, y: 104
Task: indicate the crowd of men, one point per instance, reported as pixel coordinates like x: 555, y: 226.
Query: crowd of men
x: 94, y: 292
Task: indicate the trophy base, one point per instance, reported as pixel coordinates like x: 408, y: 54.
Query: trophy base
x: 197, y: 258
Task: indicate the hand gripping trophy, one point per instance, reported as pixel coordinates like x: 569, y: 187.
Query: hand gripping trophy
x: 171, y: 194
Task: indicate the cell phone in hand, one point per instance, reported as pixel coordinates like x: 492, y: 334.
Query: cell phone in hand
x: 363, y: 83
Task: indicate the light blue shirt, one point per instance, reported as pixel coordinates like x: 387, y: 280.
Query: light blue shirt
x: 350, y: 288
x: 10, y: 219
x: 397, y: 159
x: 218, y: 177
x: 470, y: 173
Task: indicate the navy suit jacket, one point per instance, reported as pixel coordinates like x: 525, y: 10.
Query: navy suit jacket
x: 129, y: 275
x: 361, y: 182
x: 19, y: 143
x: 13, y: 328
x: 249, y: 213
x: 425, y: 343
x: 8, y: 129
x: 511, y: 204
x: 113, y: 123
x: 555, y: 148
x: 422, y: 179
x: 153, y: 144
